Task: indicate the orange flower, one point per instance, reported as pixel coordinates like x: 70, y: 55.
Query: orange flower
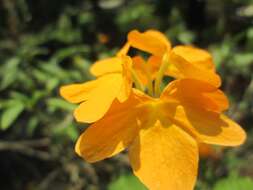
x: 162, y: 134
x: 163, y: 131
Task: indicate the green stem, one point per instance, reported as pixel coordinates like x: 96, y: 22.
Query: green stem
x: 160, y: 74
x: 150, y: 82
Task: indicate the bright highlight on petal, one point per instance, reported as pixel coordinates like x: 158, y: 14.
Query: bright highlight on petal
x: 164, y: 130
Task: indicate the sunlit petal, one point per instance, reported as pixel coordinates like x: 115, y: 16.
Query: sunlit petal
x: 165, y: 157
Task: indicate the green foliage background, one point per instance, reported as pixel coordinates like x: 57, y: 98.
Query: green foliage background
x: 47, y: 43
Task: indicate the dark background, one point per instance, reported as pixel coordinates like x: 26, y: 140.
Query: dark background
x: 47, y: 43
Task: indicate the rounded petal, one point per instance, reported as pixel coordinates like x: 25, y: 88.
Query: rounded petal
x: 151, y: 41
x: 106, y: 66
x: 76, y: 93
x: 113, y: 132
x: 197, y: 56
x: 98, y: 104
x: 209, y: 127
x: 165, y: 157
x: 189, y: 70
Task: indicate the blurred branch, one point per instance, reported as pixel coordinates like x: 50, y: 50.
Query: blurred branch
x: 12, y: 17
x: 46, y: 182
x: 27, y: 148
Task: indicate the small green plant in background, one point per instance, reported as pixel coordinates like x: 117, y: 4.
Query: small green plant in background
x: 126, y: 182
x: 234, y: 183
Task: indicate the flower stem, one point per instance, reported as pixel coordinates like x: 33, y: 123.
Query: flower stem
x: 150, y: 82
x: 137, y: 81
x: 161, y: 72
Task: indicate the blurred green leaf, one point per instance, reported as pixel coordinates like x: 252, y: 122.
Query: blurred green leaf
x: 126, y: 182
x: 70, y: 51
x: 11, y: 113
x: 234, y: 183
x: 58, y: 103
x: 242, y: 61
x: 9, y: 72
x: 186, y: 37
x: 71, y: 131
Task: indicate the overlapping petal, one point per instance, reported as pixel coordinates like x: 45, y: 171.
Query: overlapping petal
x: 209, y: 127
x: 114, y: 132
x: 201, y: 115
x: 185, y: 61
x: 189, y: 70
x: 197, y: 93
x: 93, y: 106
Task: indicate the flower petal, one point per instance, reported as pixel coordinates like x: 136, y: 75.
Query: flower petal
x: 197, y: 56
x: 113, y: 132
x: 106, y: 66
x: 151, y: 41
x: 98, y: 104
x: 165, y: 157
x: 209, y: 127
x: 197, y: 93
x: 189, y: 70
x: 76, y: 93
x: 141, y: 69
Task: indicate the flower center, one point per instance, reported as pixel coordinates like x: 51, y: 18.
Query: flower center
x: 153, y: 87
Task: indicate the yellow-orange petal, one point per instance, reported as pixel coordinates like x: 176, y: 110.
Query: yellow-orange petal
x: 124, y: 50
x: 165, y: 157
x: 98, y: 104
x: 106, y: 66
x: 151, y: 41
x: 141, y: 69
x: 154, y: 63
x: 199, y: 57
x: 76, y: 93
x: 189, y: 70
x: 209, y: 127
x: 113, y: 132
x: 196, y: 93
x: 127, y: 82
